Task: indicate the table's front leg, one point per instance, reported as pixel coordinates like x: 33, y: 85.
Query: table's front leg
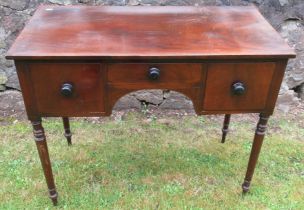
x: 255, y: 151
x: 44, y: 158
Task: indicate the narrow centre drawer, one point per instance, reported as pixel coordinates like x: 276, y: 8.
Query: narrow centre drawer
x: 169, y: 73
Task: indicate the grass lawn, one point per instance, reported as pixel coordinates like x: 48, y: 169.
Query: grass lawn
x: 159, y: 164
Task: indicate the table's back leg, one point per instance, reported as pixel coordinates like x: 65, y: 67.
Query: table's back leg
x: 67, y: 131
x: 255, y: 151
x: 45, y: 159
x: 225, y: 128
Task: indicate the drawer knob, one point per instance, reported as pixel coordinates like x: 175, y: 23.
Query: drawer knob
x: 154, y: 73
x: 238, y: 88
x: 66, y: 89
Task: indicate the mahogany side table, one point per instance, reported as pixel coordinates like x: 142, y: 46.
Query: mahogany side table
x: 77, y: 61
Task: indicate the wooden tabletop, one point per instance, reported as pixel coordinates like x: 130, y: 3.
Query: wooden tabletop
x: 108, y: 32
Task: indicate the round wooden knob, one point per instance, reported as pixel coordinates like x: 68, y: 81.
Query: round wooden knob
x: 238, y: 88
x: 154, y: 73
x: 66, y: 89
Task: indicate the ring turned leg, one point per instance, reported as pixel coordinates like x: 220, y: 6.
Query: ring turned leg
x: 255, y: 151
x: 67, y: 131
x: 45, y: 159
x: 225, y: 128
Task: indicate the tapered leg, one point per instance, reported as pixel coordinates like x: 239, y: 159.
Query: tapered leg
x: 45, y: 159
x: 255, y: 151
x: 67, y: 131
x: 225, y: 127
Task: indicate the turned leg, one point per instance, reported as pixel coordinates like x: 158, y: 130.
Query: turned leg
x: 225, y: 127
x: 67, y: 131
x: 255, y: 151
x: 45, y: 159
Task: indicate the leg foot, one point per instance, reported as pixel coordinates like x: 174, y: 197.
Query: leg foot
x: 67, y: 131
x: 53, y: 196
x: 245, y: 186
x: 255, y: 150
x: 44, y: 159
x: 225, y: 128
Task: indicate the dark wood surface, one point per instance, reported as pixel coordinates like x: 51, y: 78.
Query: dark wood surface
x: 98, y: 86
x: 256, y: 77
x: 171, y: 74
x: 88, y: 93
x: 78, y: 61
x: 255, y: 150
x: 74, y: 32
x: 43, y: 152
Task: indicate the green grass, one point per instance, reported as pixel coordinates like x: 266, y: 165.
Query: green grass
x: 134, y: 164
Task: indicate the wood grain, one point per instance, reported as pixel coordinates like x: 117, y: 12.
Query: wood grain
x: 88, y: 95
x: 178, y: 74
x: 43, y: 152
x: 73, y: 32
x: 255, y: 150
x: 256, y: 77
x: 29, y: 98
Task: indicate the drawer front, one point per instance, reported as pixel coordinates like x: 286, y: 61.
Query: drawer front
x: 87, y: 96
x: 176, y: 74
x: 226, y: 81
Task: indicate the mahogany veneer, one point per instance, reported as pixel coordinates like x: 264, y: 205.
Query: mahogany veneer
x: 77, y: 61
